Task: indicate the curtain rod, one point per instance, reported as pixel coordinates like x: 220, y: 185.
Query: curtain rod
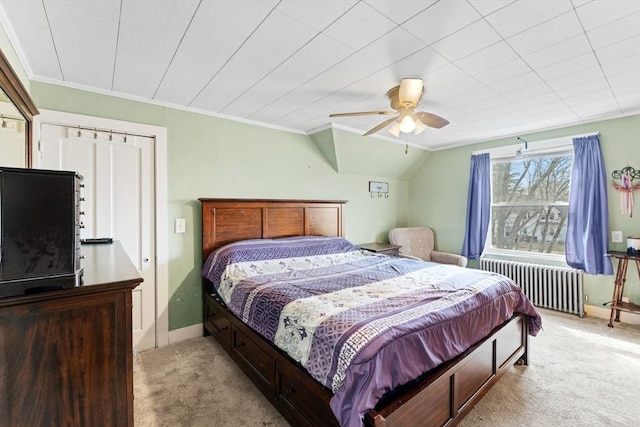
x: 538, y: 142
x: 95, y: 130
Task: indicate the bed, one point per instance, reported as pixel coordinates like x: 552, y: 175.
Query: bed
x: 307, y: 365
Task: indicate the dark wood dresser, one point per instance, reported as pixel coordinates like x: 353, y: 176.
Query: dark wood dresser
x: 66, y: 356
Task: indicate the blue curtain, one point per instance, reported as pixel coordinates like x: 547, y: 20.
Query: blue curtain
x: 588, y: 222
x: 478, y: 206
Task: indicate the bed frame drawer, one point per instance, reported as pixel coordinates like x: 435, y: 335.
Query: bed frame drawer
x: 293, y: 394
x: 216, y: 321
x: 256, y: 358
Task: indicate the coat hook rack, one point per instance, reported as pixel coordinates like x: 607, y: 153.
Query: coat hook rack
x: 626, y: 187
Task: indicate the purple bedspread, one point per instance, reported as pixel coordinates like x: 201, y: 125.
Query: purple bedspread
x: 360, y: 323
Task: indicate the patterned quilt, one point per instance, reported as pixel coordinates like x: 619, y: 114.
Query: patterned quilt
x: 348, y: 316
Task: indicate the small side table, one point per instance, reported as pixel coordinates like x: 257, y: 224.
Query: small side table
x: 381, y: 248
x: 617, y: 305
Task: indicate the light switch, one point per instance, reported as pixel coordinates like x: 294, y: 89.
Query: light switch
x: 180, y: 225
x: 616, y: 236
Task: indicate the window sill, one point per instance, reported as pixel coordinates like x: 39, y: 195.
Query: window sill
x: 531, y: 257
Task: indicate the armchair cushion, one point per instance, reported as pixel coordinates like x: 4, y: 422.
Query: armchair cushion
x: 419, y: 242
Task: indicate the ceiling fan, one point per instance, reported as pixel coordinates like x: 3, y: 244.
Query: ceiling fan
x: 404, y: 99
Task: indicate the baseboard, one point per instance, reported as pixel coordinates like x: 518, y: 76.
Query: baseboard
x: 185, y: 333
x: 605, y: 313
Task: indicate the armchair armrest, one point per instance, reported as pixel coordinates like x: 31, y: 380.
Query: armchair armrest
x: 448, y: 258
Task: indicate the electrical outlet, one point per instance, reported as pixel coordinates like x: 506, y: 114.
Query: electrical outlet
x: 616, y: 236
x: 625, y: 299
x: 586, y: 297
x: 179, y: 226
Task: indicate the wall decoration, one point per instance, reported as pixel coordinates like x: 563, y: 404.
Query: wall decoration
x: 380, y: 188
x: 626, y: 187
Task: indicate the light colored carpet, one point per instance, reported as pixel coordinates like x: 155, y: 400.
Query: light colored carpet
x: 581, y: 373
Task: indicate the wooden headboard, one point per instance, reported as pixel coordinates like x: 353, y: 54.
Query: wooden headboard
x: 229, y: 220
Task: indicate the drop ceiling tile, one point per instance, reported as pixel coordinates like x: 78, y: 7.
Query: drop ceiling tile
x: 87, y: 63
x: 598, y: 13
x: 559, y: 52
x: 394, y: 46
x: 440, y: 20
x: 489, y: 57
x: 615, y: 32
x: 238, y: 75
x: 360, y: 26
x: 547, y: 34
x: 576, y: 90
x: 137, y: 76
x: 584, y: 76
x: 522, y: 15
x: 199, y: 61
x: 291, y: 73
x: 443, y: 77
x: 517, y: 83
x: 628, y: 80
x: 487, y: 7
x: 459, y: 86
x: 282, y: 33
x: 224, y: 14
x: 154, y: 32
x: 352, y: 69
x: 529, y: 93
x: 503, y: 72
x: 569, y: 66
x: 628, y: 101
x: 316, y: 14
x: 400, y: 11
x: 623, y: 65
x: 97, y: 24
x: 592, y: 97
x: 622, y: 49
x: 29, y: 23
x: 419, y: 64
x: 542, y: 104
x: 466, y: 41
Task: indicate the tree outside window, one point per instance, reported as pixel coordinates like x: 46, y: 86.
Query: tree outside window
x: 530, y: 200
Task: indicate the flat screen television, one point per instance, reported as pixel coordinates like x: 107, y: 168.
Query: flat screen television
x: 39, y: 230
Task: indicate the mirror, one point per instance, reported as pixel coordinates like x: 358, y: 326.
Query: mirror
x: 16, y: 114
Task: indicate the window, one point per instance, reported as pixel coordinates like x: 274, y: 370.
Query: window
x: 530, y: 200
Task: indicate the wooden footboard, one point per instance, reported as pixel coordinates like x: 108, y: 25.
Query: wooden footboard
x: 442, y: 397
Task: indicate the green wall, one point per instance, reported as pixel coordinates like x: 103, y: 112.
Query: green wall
x: 214, y: 157
x: 438, y: 193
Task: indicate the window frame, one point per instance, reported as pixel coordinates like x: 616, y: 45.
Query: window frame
x: 543, y: 148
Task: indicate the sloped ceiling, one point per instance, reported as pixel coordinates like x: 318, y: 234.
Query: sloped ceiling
x: 354, y: 154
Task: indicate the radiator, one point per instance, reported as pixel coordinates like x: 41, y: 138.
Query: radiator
x: 556, y: 288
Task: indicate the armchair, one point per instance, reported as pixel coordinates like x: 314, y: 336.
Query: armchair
x: 417, y: 243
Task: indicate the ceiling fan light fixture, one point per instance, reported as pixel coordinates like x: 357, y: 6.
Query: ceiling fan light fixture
x: 420, y: 127
x: 410, y: 91
x: 407, y: 124
x: 395, y: 129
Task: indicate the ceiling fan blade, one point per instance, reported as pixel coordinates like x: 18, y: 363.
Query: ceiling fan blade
x: 431, y: 120
x: 363, y: 113
x: 410, y: 92
x: 381, y: 125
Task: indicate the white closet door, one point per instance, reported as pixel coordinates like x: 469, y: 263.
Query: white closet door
x: 118, y: 202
